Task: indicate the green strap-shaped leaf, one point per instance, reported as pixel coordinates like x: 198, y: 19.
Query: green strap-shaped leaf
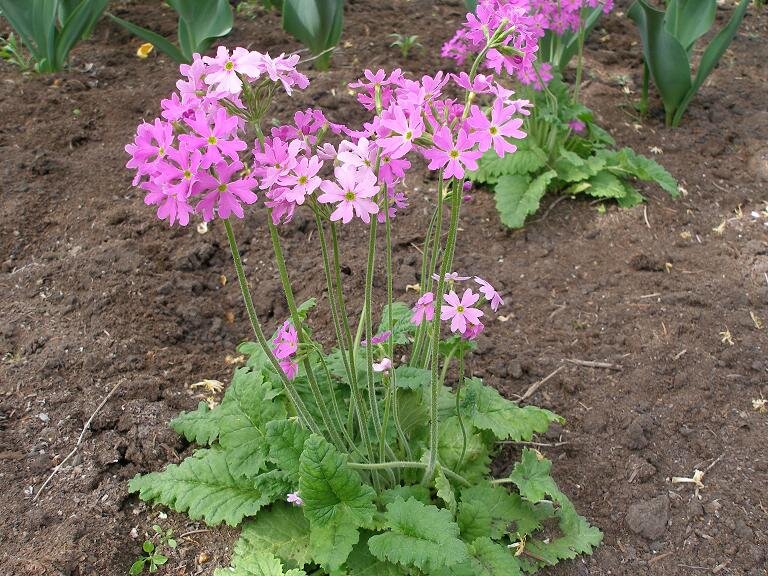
x: 204, y: 487
x: 248, y: 404
x: 315, y: 23
x: 282, y: 531
x: 79, y: 22
x: 419, y: 535
x: 517, y: 197
x: 200, y: 22
x: 200, y: 426
x: 25, y: 21
x: 148, y: 36
x: 329, y: 488
x: 711, y: 57
x: 666, y: 58
x: 689, y: 20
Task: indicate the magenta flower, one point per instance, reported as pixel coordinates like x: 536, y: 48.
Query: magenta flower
x: 223, y: 192
x: 490, y: 294
x: 353, y: 190
x: 424, y: 310
x: 295, y: 499
x: 378, y: 338
x: 286, y: 341
x: 283, y: 69
x: 171, y: 202
x: 384, y: 366
x: 277, y: 159
x: 218, y: 138
x: 459, y: 310
x: 183, y: 171
x: 473, y: 331
x: 494, y: 132
x: 405, y: 127
x: 221, y: 72
x: 289, y: 367
x: 302, y: 180
x: 577, y: 126
x: 150, y: 145
x: 454, y: 157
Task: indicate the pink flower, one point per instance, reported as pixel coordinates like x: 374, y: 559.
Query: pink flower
x: 171, y: 202
x: 277, y: 159
x: 494, y: 132
x: 384, y: 366
x: 378, y: 338
x: 283, y: 69
x: 473, y: 331
x: 216, y: 134
x: 353, y: 190
x: 221, y: 72
x: 286, y: 341
x: 455, y: 157
x: 405, y: 127
x: 184, y: 169
x: 424, y: 310
x: 290, y: 368
x: 223, y: 191
x: 490, y: 294
x: 302, y: 180
x: 451, y: 277
x: 295, y: 499
x: 460, y: 311
x: 355, y: 155
x: 150, y: 145
x: 480, y: 85
x: 577, y: 126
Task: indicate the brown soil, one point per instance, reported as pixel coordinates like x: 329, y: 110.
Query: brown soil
x: 97, y: 293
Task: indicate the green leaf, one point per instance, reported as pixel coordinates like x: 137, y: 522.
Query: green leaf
x: 711, y: 57
x: 402, y: 327
x: 492, y: 559
x: 282, y: 531
x: 444, y: 489
x: 362, y: 563
x: 250, y: 561
x: 578, y: 537
x: 79, y: 22
x: 644, y: 168
x: 286, y: 441
x: 200, y: 426
x: 315, y: 23
x: 527, y: 159
x: 571, y: 167
x: 137, y: 567
x: 666, y: 58
x: 420, y: 535
x: 689, y: 20
x: 417, y: 491
x: 247, y: 406
x: 205, y: 487
x: 517, y: 197
x: 606, y: 185
x: 532, y: 477
x: 331, y: 543
x: 476, y: 461
x: 488, y: 510
x: 329, y: 488
x: 486, y: 409
x: 411, y: 377
x: 201, y: 21
x: 148, y: 36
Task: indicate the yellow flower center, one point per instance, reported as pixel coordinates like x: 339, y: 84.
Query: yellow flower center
x: 222, y: 187
x: 493, y: 130
x: 454, y: 154
x: 459, y: 308
x: 212, y: 140
x: 408, y: 135
x: 187, y: 174
x: 349, y: 195
x: 302, y: 179
x: 229, y: 65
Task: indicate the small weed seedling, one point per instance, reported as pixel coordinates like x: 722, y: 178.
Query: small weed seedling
x: 151, y: 556
x: 405, y: 43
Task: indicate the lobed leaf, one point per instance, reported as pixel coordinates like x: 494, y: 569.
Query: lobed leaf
x: 250, y: 561
x: 532, y: 477
x: 286, y: 442
x: 489, y: 510
x: 331, y: 544
x: 528, y: 159
x: 517, y: 197
x: 282, y: 531
x: 412, y: 377
x: 200, y: 426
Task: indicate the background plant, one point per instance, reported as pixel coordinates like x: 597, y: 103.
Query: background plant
x: 317, y: 24
x: 565, y: 150
x: 668, y: 39
x: 201, y: 22
x: 372, y: 457
x: 405, y: 43
x: 49, y: 29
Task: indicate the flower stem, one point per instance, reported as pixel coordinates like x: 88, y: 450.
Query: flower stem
x: 402, y: 464
x: 579, y: 62
x: 301, y: 410
x: 368, y: 320
x: 458, y: 411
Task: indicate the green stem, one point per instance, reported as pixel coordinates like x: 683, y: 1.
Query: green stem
x: 368, y: 319
x: 402, y: 464
x: 458, y: 411
x: 341, y: 306
x: 301, y: 410
x: 579, y: 62
x: 286, y: 283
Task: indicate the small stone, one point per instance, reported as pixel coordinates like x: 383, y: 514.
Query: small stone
x: 649, y: 519
x: 635, y: 437
x: 515, y: 369
x: 44, y: 417
x: 743, y: 531
x: 694, y: 509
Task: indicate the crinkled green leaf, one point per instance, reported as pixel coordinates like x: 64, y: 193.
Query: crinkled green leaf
x: 606, y: 185
x: 571, y: 167
x: 283, y: 531
x: 577, y: 537
x: 412, y: 377
x: 528, y: 159
x: 517, y: 197
x: 644, y: 168
x: 476, y: 461
x: 489, y: 510
x: 329, y: 488
x: 444, y: 489
x: 201, y: 426
x: 532, y: 477
x: 487, y: 558
x: 419, y: 535
x: 286, y: 442
x: 417, y: 491
x: 205, y: 486
x: 486, y: 409
x: 250, y: 561
x: 402, y: 328
x: 249, y: 403
x: 362, y: 563
x: 331, y: 543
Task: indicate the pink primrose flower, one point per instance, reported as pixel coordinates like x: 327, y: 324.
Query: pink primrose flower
x: 490, y: 293
x: 424, y: 310
x: 495, y: 131
x: 223, y: 191
x: 460, y: 311
x: 352, y: 190
x: 453, y: 156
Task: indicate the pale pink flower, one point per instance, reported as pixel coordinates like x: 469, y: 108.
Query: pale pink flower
x: 460, y: 311
x: 453, y: 156
x: 451, y: 277
x: 302, y: 180
x: 424, y: 310
x: 353, y: 190
x: 221, y: 72
x: 295, y: 499
x: 490, y: 294
x: 384, y: 366
x: 217, y: 134
x: 405, y: 126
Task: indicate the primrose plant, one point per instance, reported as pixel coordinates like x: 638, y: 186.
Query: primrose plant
x: 565, y: 151
x: 372, y: 457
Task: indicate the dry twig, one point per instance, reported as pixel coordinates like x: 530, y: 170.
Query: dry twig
x: 536, y: 385
x: 593, y: 364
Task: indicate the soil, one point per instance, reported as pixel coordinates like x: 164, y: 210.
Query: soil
x: 673, y: 295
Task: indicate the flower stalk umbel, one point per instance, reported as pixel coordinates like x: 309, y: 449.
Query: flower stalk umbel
x: 373, y: 425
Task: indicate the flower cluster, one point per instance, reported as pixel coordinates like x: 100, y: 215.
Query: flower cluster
x: 285, y: 345
x: 515, y: 53
x: 460, y: 310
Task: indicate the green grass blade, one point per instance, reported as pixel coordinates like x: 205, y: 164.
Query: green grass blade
x: 148, y: 36
x: 80, y: 21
